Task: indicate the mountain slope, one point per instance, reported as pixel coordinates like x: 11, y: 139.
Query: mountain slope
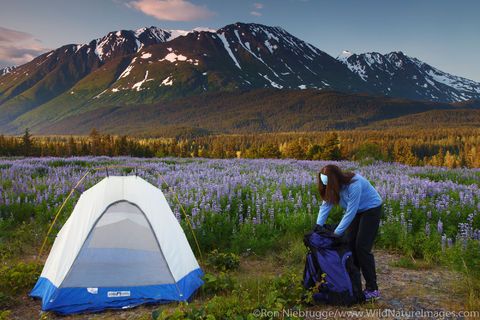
x: 151, y: 65
x: 6, y: 70
x: 56, y: 72
x: 448, y: 118
x: 398, y: 75
x: 262, y: 110
x: 240, y: 56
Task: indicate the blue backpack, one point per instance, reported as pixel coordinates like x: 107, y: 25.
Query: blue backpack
x: 330, y: 273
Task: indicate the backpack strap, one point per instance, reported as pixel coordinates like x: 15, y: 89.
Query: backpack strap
x: 318, y: 268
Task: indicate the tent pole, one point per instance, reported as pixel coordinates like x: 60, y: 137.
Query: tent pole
x: 184, y: 213
x: 55, y: 219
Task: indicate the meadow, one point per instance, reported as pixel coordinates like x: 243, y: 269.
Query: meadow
x: 241, y: 207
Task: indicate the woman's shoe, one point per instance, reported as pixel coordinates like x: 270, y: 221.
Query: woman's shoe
x: 371, y: 295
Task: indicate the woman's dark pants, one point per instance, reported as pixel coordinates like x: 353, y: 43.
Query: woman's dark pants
x: 361, y: 234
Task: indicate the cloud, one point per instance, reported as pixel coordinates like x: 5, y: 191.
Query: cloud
x: 258, y: 6
x: 172, y: 10
x: 9, y: 35
x: 18, y: 55
x: 18, y: 47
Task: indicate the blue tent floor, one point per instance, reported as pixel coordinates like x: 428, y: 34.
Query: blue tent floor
x: 81, y: 300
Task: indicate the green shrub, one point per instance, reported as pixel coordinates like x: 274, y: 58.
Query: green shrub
x: 19, y: 277
x: 465, y: 258
x: 404, y: 262
x: 268, y: 293
x: 5, y: 315
x: 214, y: 284
x: 223, y: 261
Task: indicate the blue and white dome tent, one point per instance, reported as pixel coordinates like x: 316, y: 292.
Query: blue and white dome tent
x: 121, y: 247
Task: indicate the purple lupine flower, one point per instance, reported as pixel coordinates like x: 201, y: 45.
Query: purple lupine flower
x: 440, y: 226
x: 444, y: 240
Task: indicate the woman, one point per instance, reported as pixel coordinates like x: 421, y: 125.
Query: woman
x: 361, y: 220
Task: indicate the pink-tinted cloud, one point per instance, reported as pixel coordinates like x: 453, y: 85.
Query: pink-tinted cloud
x: 255, y: 13
x: 18, y: 55
x: 172, y: 10
x: 258, y: 5
x: 18, y: 47
x: 9, y: 35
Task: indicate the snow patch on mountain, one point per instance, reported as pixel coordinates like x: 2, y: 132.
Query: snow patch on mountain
x: 359, y: 69
x: 100, y: 43
x: 138, y: 85
x: 80, y: 46
x: 227, y: 48
x: 127, y: 70
x: 168, y: 81
x: 164, y: 35
x: 100, y: 94
x: 6, y: 70
x: 270, y: 47
x: 458, y: 83
x: 146, y: 55
x: 173, y: 57
x: 273, y: 83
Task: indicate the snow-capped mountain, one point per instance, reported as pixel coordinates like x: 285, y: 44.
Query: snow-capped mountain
x: 6, y: 70
x: 149, y: 65
x: 59, y: 71
x: 240, y: 56
x: 397, y: 75
x: 124, y: 42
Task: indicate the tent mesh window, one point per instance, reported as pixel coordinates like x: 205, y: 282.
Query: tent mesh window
x: 120, y: 251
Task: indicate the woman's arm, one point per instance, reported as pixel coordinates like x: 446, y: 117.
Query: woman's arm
x: 323, y: 213
x: 354, y: 192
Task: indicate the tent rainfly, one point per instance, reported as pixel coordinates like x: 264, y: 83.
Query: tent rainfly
x: 121, y: 247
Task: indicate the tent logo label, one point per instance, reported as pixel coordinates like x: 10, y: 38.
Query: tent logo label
x: 115, y: 294
x: 92, y: 290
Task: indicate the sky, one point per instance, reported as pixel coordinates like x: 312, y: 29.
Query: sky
x: 444, y: 34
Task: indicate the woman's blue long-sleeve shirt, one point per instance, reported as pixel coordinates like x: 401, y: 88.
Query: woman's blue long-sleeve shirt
x: 355, y: 197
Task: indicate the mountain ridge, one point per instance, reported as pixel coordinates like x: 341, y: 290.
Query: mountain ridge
x: 424, y: 81
x: 6, y: 70
x: 151, y: 65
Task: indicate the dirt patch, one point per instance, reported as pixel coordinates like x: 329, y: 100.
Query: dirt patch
x: 402, y: 293
x: 401, y: 289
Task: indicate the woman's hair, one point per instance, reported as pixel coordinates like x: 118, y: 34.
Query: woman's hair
x: 336, y: 179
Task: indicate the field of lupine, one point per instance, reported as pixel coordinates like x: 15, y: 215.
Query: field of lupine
x: 245, y: 206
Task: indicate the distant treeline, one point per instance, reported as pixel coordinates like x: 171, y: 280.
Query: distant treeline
x: 448, y: 147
